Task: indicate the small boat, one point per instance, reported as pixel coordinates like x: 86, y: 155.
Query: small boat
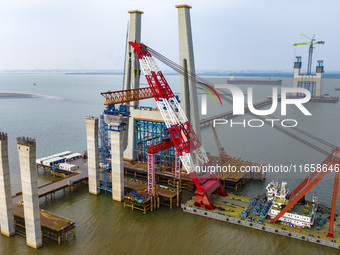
x: 34, y: 84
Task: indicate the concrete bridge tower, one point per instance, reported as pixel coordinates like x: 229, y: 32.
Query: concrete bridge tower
x: 186, y: 52
x: 6, y: 207
x: 29, y: 184
x: 132, y: 68
x: 92, y: 154
x: 311, y: 82
x: 131, y: 80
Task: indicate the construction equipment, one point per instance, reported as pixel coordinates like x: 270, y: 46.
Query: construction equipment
x: 124, y: 96
x: 165, y: 144
x: 330, y: 164
x: 311, y: 47
x: 223, y: 155
x: 182, y: 135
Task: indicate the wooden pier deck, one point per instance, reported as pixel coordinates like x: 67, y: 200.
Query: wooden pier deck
x: 50, y: 188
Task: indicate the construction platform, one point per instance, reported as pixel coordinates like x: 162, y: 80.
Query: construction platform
x: 232, y: 180
x: 162, y: 195
x: 55, y: 171
x: 228, y: 209
x: 163, y: 174
x: 52, y: 226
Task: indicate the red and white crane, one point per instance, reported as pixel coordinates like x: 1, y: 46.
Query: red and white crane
x: 182, y: 135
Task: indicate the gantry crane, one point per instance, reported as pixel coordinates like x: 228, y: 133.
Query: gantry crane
x: 311, y: 47
x: 181, y: 133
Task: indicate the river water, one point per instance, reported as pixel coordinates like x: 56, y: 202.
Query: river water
x: 56, y: 119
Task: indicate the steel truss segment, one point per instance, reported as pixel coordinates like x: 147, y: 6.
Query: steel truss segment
x: 151, y: 173
x: 165, y: 114
x: 161, y: 146
x: 123, y: 96
x: 178, y: 107
x: 173, y: 116
x: 202, y: 156
x: 187, y: 162
x: 148, y: 64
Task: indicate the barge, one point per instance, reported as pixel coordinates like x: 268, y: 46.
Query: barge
x: 268, y: 81
x: 256, y: 213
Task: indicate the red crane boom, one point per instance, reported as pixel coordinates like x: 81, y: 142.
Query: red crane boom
x: 182, y: 135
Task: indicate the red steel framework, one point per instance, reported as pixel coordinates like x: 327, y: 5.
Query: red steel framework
x: 330, y: 164
x: 152, y: 150
x: 182, y: 135
x: 221, y: 150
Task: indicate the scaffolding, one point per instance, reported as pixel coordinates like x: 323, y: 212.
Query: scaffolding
x: 149, y: 132
x: 104, y: 156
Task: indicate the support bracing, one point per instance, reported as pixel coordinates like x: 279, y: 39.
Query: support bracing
x: 177, y: 167
x: 335, y: 195
x: 151, y: 173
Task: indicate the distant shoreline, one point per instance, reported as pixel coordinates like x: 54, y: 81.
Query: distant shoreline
x: 15, y: 95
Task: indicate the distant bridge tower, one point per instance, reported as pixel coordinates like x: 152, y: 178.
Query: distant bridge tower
x: 308, y: 81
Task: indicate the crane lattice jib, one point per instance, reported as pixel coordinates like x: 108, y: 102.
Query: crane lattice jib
x: 182, y: 135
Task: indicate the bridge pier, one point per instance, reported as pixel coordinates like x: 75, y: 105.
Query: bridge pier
x: 6, y: 207
x: 92, y: 154
x: 29, y: 184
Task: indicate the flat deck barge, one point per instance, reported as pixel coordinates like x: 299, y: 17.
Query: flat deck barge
x: 228, y: 209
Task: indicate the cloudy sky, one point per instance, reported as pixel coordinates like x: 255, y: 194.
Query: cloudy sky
x: 231, y: 35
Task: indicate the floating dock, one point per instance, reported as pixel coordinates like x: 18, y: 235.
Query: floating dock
x: 228, y: 209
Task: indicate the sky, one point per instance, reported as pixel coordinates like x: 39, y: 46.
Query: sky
x: 228, y: 35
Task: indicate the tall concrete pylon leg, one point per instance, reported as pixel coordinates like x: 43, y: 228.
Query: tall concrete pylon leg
x: 6, y: 207
x: 131, y: 80
x: 117, y: 165
x: 92, y: 154
x: 29, y: 184
x: 186, y: 51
